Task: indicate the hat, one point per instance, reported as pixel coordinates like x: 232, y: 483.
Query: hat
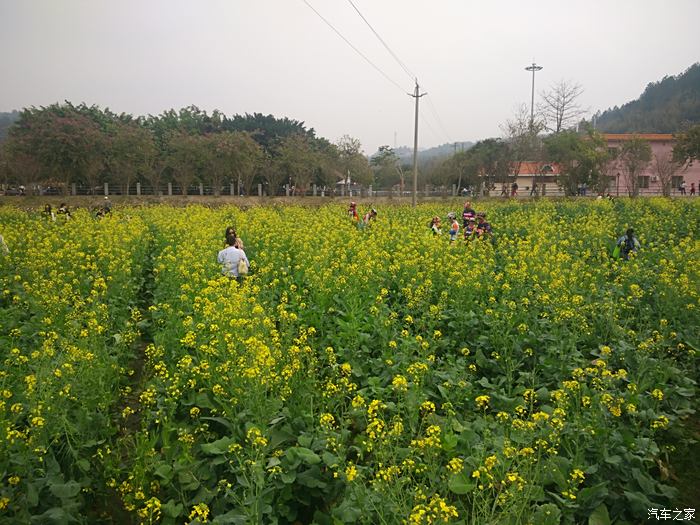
x: 352, y: 204
x: 106, y: 198
x: 374, y: 211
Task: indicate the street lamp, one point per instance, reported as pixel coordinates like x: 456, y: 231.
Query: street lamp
x: 534, y: 67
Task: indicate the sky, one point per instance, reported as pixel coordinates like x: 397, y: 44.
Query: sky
x: 279, y: 57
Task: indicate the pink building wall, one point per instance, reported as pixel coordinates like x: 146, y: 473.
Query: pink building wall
x: 661, y: 145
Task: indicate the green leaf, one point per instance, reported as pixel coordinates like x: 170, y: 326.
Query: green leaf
x: 449, y: 441
x: 599, y: 516
x: 164, y: 472
x: 613, y: 460
x: 32, y: 495
x: 220, y: 446
x: 329, y: 459
x: 288, y: 477
x: 593, y: 496
x: 172, y: 509
x: 547, y: 514
x: 311, y: 478
x: 644, y: 481
x: 65, y: 490
x: 460, y: 483
x: 308, y: 456
x: 305, y: 441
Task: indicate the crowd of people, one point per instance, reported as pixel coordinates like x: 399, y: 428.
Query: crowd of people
x: 474, y: 224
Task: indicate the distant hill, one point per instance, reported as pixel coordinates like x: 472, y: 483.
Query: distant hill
x: 664, y: 107
x: 6, y: 120
x: 405, y: 153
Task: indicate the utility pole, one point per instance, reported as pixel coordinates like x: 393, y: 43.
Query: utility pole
x: 534, y: 68
x: 417, y: 95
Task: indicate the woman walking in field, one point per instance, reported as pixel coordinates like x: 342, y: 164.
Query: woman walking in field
x: 233, y: 260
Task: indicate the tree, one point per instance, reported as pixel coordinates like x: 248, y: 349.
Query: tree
x: 271, y: 170
x: 130, y: 152
x: 687, y: 146
x: 63, y: 141
x: 267, y: 130
x: 522, y: 139
x: 582, y: 159
x: 559, y: 107
x: 230, y: 155
x: 387, y: 168
x: 633, y: 158
x: 351, y: 160
x: 492, y: 161
x: 665, y: 168
x: 185, y: 158
x: 298, y: 160
x: 246, y: 160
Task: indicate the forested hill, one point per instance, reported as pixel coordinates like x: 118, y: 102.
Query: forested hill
x: 6, y: 120
x: 664, y: 107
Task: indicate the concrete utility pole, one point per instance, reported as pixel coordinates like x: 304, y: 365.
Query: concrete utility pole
x: 416, y: 94
x: 534, y: 68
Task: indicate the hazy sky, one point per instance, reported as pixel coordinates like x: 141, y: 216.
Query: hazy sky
x: 279, y: 57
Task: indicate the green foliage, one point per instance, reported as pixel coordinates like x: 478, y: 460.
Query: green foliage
x: 664, y: 107
x: 581, y: 159
x: 687, y: 146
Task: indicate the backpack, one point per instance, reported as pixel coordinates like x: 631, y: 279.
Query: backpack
x: 627, y: 246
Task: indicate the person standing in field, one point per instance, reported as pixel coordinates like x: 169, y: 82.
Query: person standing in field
x: 468, y: 213
x: 352, y: 213
x: 681, y: 187
x: 435, y: 226
x: 692, y: 189
x: 230, y: 230
x: 63, y: 210
x: 483, y: 228
x: 627, y: 244
x: 230, y: 257
x: 48, y: 213
x: 470, y: 230
x: 369, y: 216
x: 454, y: 226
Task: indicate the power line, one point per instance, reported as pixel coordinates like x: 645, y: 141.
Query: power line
x: 408, y: 72
x: 354, y: 48
x: 438, y: 119
x: 386, y: 46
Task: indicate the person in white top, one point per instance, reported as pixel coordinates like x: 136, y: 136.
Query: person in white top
x: 230, y: 257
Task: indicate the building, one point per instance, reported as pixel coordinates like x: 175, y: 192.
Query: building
x: 650, y: 182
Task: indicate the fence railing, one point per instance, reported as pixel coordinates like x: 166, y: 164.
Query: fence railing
x: 170, y: 189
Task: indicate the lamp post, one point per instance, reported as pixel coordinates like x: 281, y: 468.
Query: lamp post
x: 534, y: 68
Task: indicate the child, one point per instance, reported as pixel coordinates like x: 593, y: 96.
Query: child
x: 470, y: 230
x: 352, y: 212
x: 435, y: 226
x: 454, y: 226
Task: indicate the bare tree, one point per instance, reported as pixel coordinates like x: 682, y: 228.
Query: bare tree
x: 665, y: 168
x: 522, y: 138
x: 633, y: 158
x: 559, y: 107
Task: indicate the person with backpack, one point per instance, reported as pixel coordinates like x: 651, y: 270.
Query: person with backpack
x: 233, y: 260
x: 627, y: 244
